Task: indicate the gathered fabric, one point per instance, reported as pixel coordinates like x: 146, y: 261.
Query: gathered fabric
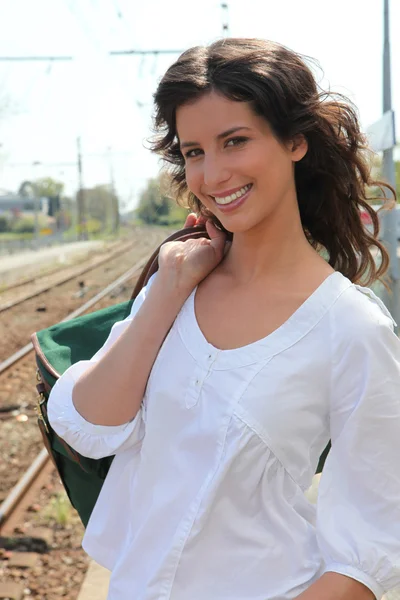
x: 206, y: 495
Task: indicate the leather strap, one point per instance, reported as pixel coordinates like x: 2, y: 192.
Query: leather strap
x: 151, y: 266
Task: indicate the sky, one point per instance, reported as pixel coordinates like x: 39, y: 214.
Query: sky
x: 107, y: 100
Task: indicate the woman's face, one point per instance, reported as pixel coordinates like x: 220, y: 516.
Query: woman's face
x: 234, y: 164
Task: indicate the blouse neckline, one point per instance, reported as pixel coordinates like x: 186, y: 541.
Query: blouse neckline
x: 295, y: 327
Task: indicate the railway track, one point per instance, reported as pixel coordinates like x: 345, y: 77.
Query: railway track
x: 20, y: 493
x: 18, y: 431
x: 20, y: 442
x: 59, y: 278
x: 54, y: 301
x: 22, y: 540
x: 46, y: 273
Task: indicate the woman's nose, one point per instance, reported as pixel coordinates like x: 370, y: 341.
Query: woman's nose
x: 215, y: 173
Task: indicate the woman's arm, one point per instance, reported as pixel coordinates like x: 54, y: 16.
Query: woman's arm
x: 334, y: 586
x: 110, y: 392
x: 357, y: 524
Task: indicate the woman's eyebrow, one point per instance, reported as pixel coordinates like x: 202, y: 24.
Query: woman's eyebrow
x: 220, y: 136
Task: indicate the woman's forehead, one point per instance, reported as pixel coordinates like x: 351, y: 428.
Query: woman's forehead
x: 212, y: 114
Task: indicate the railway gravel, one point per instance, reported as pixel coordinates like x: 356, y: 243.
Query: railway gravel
x: 42, y: 559
x: 20, y: 440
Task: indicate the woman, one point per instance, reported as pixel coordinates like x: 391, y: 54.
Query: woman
x: 240, y: 361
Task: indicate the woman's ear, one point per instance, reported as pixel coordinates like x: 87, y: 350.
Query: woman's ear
x: 298, y: 147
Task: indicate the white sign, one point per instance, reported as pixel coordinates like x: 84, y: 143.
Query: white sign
x: 381, y: 134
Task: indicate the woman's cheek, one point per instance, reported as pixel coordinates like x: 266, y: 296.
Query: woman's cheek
x: 194, y: 186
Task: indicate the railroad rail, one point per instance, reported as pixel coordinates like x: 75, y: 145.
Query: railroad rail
x: 17, y: 498
x: 78, y: 273
x: 33, y: 278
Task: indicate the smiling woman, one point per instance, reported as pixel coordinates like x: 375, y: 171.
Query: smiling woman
x: 239, y: 362
x: 274, y: 88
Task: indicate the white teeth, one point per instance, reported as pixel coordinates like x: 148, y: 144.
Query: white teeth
x: 234, y: 196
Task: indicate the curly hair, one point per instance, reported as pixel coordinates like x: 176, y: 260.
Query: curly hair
x: 333, y: 177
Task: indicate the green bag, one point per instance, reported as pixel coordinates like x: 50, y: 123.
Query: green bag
x: 62, y: 345
x: 57, y: 348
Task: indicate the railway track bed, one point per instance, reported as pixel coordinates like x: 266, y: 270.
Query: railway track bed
x: 40, y: 540
x: 41, y: 558
x: 52, y: 302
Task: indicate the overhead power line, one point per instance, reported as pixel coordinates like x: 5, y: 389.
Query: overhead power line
x: 32, y: 58
x: 143, y: 52
x: 115, y: 154
x: 68, y: 58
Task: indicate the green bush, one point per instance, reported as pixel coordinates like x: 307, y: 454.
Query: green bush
x: 24, y: 225
x: 94, y: 226
x: 4, y: 224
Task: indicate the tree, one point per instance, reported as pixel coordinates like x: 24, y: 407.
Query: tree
x: 156, y: 207
x: 48, y: 187
x: 4, y: 224
x: 101, y: 204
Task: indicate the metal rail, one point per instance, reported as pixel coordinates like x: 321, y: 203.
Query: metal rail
x: 20, y: 490
x: 11, y: 360
x: 23, y: 485
x: 22, y: 282
x: 10, y: 305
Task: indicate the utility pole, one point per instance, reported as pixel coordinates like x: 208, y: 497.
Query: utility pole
x: 114, y: 196
x: 80, y: 197
x: 225, y: 24
x: 389, y: 217
x: 36, y: 201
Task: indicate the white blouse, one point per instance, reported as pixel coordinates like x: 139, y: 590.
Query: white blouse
x: 205, y: 498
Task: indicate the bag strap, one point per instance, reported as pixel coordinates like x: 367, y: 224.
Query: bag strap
x: 188, y: 233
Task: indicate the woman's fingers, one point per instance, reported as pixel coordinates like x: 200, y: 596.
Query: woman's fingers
x: 191, y: 220
x: 217, y: 237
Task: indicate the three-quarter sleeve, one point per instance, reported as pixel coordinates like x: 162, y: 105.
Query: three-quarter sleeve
x: 358, y: 508
x: 89, y: 439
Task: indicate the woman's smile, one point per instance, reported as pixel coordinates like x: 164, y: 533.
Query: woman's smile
x: 232, y: 201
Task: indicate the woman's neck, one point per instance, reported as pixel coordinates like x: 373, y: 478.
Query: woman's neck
x: 269, y: 251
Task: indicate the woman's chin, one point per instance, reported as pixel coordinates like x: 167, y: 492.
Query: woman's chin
x: 235, y: 224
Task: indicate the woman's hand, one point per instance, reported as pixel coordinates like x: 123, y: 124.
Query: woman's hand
x: 192, y: 220
x: 187, y: 263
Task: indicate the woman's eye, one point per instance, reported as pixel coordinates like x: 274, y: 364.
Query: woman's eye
x: 236, y: 141
x: 192, y: 153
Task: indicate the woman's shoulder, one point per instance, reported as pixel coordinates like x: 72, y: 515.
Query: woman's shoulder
x: 359, y: 313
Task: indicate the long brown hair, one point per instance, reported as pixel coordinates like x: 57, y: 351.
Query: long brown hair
x: 333, y: 177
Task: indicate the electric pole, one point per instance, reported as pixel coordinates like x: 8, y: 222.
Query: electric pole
x: 389, y: 217
x: 225, y: 24
x: 80, y: 197
x: 114, y: 196
x: 36, y: 201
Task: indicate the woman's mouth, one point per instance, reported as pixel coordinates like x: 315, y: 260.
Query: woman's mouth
x: 233, y: 201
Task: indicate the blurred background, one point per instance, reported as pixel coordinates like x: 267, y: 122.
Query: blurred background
x: 76, y: 85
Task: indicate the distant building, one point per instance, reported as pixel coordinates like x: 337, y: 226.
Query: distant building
x: 18, y: 205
